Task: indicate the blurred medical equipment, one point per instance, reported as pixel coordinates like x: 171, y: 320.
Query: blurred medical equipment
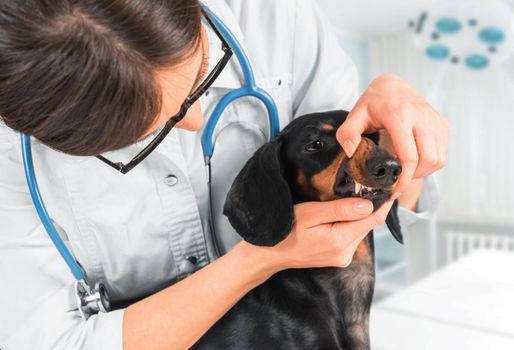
x: 467, y: 34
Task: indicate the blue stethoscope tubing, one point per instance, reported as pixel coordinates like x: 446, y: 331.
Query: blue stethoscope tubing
x: 249, y: 89
x: 30, y: 175
x: 94, y: 299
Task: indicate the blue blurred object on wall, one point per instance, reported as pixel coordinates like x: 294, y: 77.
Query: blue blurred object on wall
x: 437, y: 52
x: 448, y: 25
x: 472, y: 34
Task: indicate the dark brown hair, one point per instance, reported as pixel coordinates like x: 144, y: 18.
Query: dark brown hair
x: 79, y: 74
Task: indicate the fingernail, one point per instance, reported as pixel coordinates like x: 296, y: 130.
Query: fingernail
x: 363, y: 207
x: 349, y: 148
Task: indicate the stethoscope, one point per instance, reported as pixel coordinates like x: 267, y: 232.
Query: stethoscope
x: 93, y: 299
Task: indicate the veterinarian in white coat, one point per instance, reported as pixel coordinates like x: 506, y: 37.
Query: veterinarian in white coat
x: 141, y: 232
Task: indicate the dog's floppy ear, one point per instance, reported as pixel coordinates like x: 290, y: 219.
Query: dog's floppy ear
x: 259, y: 204
x: 393, y: 222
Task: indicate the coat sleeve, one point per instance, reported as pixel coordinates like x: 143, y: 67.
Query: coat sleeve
x: 37, y: 299
x: 324, y: 76
x: 427, y: 204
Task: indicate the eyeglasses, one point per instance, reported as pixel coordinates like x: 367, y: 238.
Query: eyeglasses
x: 195, y: 95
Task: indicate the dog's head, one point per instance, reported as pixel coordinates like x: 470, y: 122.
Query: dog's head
x: 306, y: 163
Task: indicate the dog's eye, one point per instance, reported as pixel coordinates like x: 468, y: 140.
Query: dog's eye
x: 315, y: 146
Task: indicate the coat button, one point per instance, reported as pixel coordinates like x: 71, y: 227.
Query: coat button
x: 188, y: 264
x: 171, y: 180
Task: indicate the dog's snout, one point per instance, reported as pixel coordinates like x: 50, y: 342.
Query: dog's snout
x: 384, y: 170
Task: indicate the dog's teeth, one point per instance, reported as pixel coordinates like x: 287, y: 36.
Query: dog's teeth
x: 357, y: 187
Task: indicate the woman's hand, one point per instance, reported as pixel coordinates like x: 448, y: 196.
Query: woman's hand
x: 419, y: 133
x: 326, y: 233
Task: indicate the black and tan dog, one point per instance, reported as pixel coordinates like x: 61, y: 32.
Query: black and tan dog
x: 317, y: 308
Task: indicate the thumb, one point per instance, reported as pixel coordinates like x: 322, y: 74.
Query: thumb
x: 360, y: 228
x: 349, y: 133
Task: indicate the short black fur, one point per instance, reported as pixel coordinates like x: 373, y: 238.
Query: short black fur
x: 317, y: 308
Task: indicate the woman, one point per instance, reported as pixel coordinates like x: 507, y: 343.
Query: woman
x: 88, y: 78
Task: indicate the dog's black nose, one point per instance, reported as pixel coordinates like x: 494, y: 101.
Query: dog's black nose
x: 384, y: 170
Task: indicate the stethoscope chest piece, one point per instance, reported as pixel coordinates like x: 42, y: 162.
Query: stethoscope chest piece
x: 91, y: 301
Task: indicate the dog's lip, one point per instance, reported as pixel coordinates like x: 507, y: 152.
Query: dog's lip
x: 348, y: 187
x: 345, y: 185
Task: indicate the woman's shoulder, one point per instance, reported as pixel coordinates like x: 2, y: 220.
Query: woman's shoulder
x: 268, y: 33
x: 275, y: 18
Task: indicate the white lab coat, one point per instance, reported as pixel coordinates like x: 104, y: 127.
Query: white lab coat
x: 134, y: 231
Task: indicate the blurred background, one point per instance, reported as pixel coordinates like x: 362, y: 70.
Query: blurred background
x: 451, y: 286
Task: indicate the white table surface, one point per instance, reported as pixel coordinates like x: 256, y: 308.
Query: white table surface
x: 467, y: 305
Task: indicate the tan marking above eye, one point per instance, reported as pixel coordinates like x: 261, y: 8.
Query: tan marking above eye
x: 327, y: 127
x: 324, y: 181
x: 356, y: 165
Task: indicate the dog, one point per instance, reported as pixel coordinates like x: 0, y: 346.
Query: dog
x: 314, y: 308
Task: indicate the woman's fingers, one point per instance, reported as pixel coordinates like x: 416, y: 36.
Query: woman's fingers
x: 405, y: 147
x: 333, y: 242
x: 419, y: 134
x: 442, y: 141
x: 431, y: 136
x: 427, y: 152
x: 311, y: 214
x: 349, y: 134
x: 398, y: 127
x: 355, y: 231
x: 348, y: 235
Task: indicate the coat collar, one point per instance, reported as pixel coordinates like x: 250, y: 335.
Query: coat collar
x: 232, y: 76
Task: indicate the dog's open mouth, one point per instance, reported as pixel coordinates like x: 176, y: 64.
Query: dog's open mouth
x: 364, y: 191
x: 348, y: 187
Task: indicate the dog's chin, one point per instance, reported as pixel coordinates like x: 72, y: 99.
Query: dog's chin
x: 347, y: 187
x: 376, y: 196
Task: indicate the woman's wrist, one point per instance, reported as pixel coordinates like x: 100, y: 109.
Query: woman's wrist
x: 197, y: 302
x: 261, y: 262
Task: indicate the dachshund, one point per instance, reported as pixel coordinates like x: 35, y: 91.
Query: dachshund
x: 313, y: 308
